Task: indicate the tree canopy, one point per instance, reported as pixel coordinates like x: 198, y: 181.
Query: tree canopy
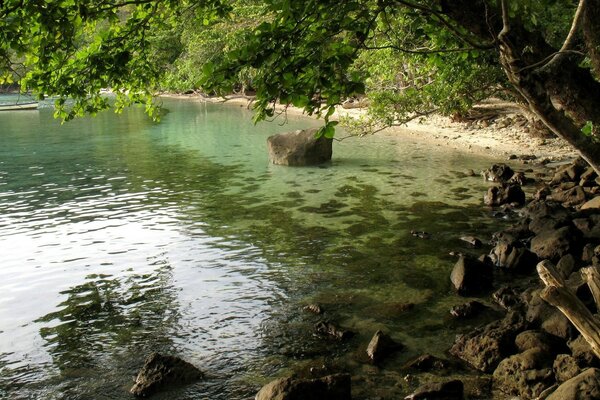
x: 409, y: 57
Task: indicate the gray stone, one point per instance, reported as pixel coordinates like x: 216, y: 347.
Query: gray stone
x: 331, y: 387
x: 498, y: 173
x: 585, y: 386
x: 159, y: 372
x: 299, y: 148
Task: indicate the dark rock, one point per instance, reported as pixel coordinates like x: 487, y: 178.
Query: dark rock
x: 427, y: 362
x: 582, y: 353
x: 498, y: 173
x: 518, y: 179
x: 469, y: 309
x: 584, y: 386
x: 471, y: 276
x: 542, y: 193
x: 325, y: 328
x: 587, y: 253
x: 540, y: 209
x: 160, y: 372
x: 559, y: 325
x: 472, y: 240
x: 451, y: 390
x: 514, y: 257
x: 331, y: 387
x: 485, y: 347
x: 525, y: 374
x: 570, y: 173
x: 299, y: 148
x: 507, y: 298
x: 548, y: 344
x: 313, y: 308
x: 553, y: 244
x: 565, y: 367
x: 420, y: 234
x: 569, y: 197
x: 566, y: 265
x: 381, y: 346
x: 506, y: 194
x: 589, y: 175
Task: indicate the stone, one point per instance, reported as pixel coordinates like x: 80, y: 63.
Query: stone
x: 591, y: 204
x: 553, y: 244
x: 582, y: 353
x: 471, y: 276
x: 569, y: 197
x: 506, y: 194
x: 485, y: 347
x: 507, y: 298
x: 381, y: 346
x: 427, y: 362
x: 565, y: 367
x: 514, y: 258
x: 331, y: 387
x: 547, y: 343
x: 451, y: 390
x: 472, y: 241
x: 518, y: 178
x: 299, y: 148
x: 526, y: 374
x: 584, y: 386
x: 498, y: 173
x: 325, y: 328
x: 160, y: 371
x: 558, y: 325
x: 313, y: 308
x: 566, y: 265
x: 469, y: 309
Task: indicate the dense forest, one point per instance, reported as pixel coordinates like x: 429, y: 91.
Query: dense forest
x: 406, y: 58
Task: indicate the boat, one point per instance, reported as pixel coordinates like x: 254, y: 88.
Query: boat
x: 32, y: 105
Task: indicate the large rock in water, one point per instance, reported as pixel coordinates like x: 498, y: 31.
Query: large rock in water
x: 299, y: 148
x: 161, y: 371
x: 471, y: 276
x: 332, y: 387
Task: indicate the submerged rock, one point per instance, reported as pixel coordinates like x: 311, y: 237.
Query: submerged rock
x: 299, y: 148
x: 331, y: 387
x: 159, y: 372
x: 451, y: 390
x: 325, y: 328
x: 381, y: 346
x: 427, y: 362
x: 469, y: 309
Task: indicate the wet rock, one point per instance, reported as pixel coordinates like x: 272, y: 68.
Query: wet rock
x: 525, y: 374
x: 451, y: 390
x: 313, y: 308
x: 565, y: 367
x: 420, y: 234
x: 472, y: 241
x: 548, y: 344
x: 325, y: 328
x: 506, y: 194
x: 542, y: 209
x: 331, y: 387
x: 159, y: 372
x: 518, y: 179
x: 553, y: 244
x: 381, y: 346
x: 485, y: 347
x: 507, y: 298
x: 469, y: 309
x: 299, y: 148
x: 498, y: 173
x: 471, y: 276
x: 586, y: 385
x: 427, y: 362
x: 514, y: 258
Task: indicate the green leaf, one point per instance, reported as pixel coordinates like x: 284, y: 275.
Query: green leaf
x: 588, y: 128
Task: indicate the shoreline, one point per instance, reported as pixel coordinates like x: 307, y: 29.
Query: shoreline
x: 500, y: 139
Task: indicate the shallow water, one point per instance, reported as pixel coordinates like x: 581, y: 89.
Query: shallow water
x: 119, y: 237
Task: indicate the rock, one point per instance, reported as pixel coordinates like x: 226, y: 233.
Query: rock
x: 472, y: 240
x: 570, y: 172
x: 451, y: 390
x: 299, y: 148
x: 485, y: 347
x: 427, y: 362
x: 507, y: 298
x: 542, y: 193
x: 558, y: 325
x: 553, y: 244
x: 565, y: 367
x: 569, y: 197
x: 525, y: 374
x: 420, y: 234
x: 540, y: 209
x: 506, y: 194
x: 584, y: 386
x: 587, y: 253
x: 331, y: 387
x: 498, y: 173
x: 582, y: 353
x: 518, y: 179
x: 161, y: 371
x: 514, y: 258
x: 471, y: 276
x: 325, y: 328
x: 591, y: 204
x: 548, y: 344
x: 469, y: 309
x: 566, y: 265
x: 313, y: 308
x: 381, y: 346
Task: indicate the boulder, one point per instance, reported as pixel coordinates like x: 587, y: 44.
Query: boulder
x: 471, y: 276
x: 553, y: 244
x: 565, y: 367
x: 548, y: 344
x: 331, y: 387
x: 485, y: 347
x: 299, y: 148
x: 451, y: 390
x: 505, y: 194
x: 591, y: 204
x: 584, y: 386
x: 498, y: 173
x: 381, y: 346
x: 582, y: 353
x: 569, y: 197
x: 469, y: 309
x: 507, y: 298
x: 514, y: 257
x: 160, y: 371
x: 566, y: 265
x: 525, y: 374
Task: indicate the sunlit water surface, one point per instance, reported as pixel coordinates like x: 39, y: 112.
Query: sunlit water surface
x: 119, y: 237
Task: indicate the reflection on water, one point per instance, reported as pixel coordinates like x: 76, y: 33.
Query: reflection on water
x: 119, y: 237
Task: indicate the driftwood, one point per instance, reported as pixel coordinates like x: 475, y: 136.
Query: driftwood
x: 592, y: 276
x: 559, y: 295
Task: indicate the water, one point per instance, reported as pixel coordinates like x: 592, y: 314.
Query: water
x: 119, y: 237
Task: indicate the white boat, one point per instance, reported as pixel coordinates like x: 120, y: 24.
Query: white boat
x: 32, y: 105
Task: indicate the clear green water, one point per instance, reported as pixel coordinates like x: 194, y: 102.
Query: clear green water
x: 119, y: 237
